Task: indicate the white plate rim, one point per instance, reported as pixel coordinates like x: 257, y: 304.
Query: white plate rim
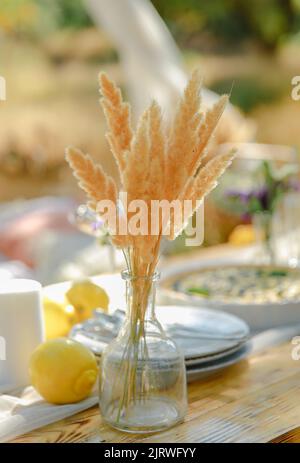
x: 190, y: 361
x: 211, y: 354
x: 195, y: 374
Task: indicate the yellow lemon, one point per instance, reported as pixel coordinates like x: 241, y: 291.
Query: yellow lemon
x: 85, y: 296
x: 58, y: 318
x: 241, y: 235
x: 63, y: 371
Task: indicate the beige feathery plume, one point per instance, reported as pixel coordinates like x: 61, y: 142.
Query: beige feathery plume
x: 154, y: 184
x: 156, y: 180
x: 184, y: 135
x: 206, y: 131
x: 207, y: 178
x: 202, y: 185
x: 92, y: 178
x: 208, y: 127
x: 135, y: 176
x: 96, y: 183
x: 117, y: 115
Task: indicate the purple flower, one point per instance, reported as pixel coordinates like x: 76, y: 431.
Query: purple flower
x: 262, y: 194
x: 263, y: 197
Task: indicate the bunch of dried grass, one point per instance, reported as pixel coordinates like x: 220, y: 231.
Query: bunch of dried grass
x: 155, y: 162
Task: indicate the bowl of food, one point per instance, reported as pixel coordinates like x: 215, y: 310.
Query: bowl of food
x: 264, y: 296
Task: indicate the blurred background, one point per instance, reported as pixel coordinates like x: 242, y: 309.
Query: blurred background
x: 51, y: 53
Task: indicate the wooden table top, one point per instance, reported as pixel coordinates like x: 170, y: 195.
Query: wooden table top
x: 254, y: 401
x: 257, y: 400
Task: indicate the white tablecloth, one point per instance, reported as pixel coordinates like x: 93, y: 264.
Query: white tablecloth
x: 22, y: 412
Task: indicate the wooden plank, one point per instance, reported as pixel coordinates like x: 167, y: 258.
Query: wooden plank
x: 255, y: 401
x: 290, y: 437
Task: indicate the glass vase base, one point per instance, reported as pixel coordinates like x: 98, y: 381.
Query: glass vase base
x: 146, y: 416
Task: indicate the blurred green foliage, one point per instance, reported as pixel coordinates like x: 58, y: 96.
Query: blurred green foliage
x: 268, y: 21
x: 65, y: 13
x: 248, y: 92
x: 39, y: 17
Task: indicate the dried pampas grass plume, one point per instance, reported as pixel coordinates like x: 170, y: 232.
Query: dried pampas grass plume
x: 138, y: 161
x: 97, y: 185
x: 184, y: 135
x: 201, y: 185
x: 92, y: 179
x: 117, y: 114
x: 207, y: 178
x: 157, y: 171
x: 206, y: 130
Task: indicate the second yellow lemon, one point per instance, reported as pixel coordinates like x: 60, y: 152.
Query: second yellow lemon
x: 59, y: 318
x: 85, y: 296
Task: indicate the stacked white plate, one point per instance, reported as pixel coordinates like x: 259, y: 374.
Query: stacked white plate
x: 210, y: 340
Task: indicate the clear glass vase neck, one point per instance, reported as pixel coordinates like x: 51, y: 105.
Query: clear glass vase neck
x: 140, y: 296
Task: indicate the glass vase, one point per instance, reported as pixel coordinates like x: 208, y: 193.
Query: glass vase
x: 142, y: 375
